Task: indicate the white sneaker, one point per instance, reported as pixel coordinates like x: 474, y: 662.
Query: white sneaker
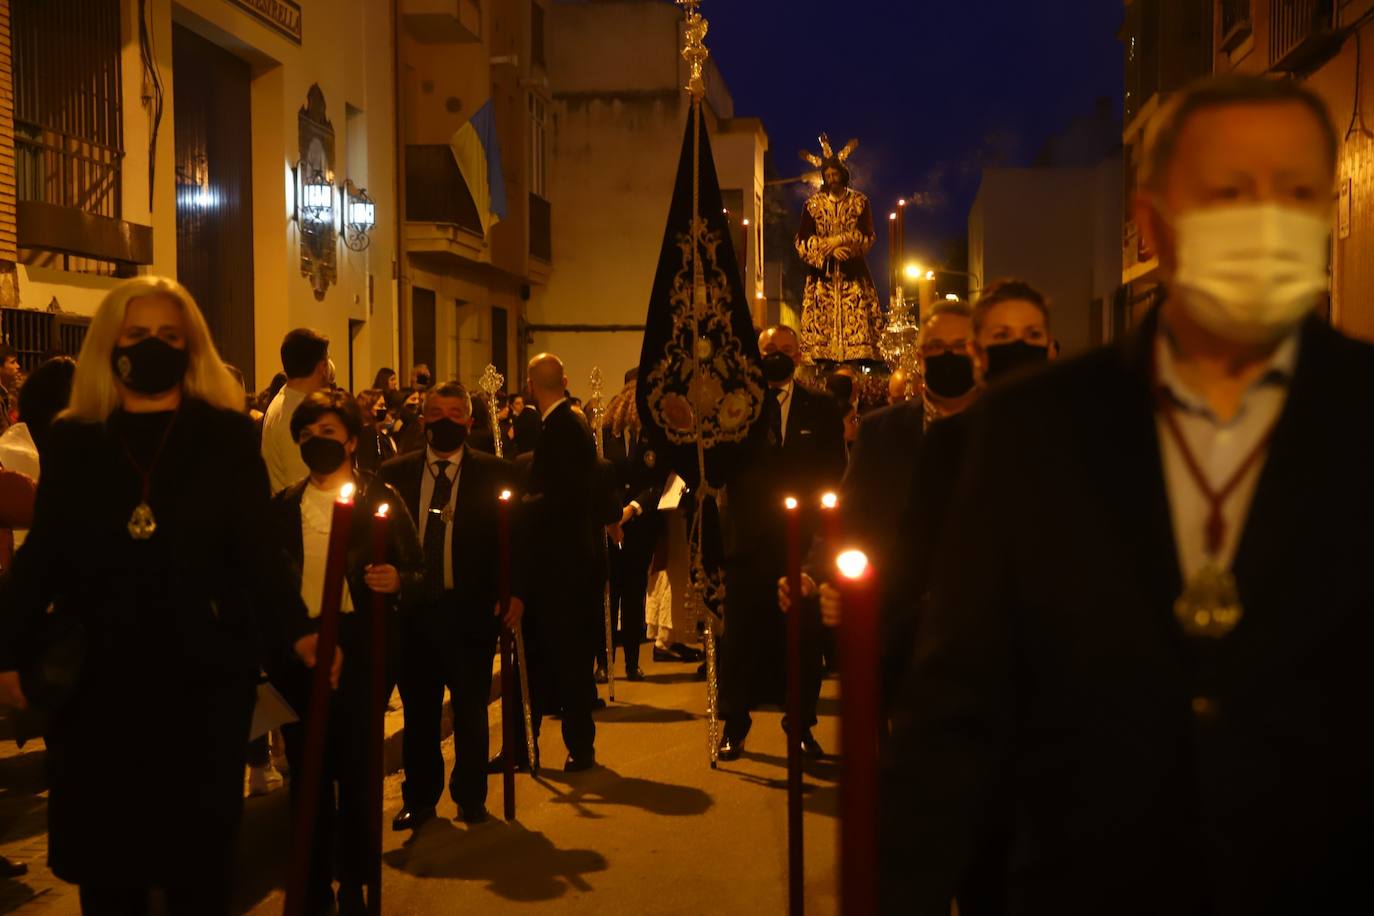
x: 263, y: 780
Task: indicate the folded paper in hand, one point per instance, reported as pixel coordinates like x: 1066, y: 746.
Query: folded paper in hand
x: 271, y: 711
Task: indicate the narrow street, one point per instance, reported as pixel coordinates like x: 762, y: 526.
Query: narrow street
x: 652, y: 830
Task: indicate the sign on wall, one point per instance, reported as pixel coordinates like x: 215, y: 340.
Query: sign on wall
x: 282, y: 15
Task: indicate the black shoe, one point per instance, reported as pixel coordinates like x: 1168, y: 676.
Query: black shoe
x: 730, y: 748
x: 686, y: 653
x: 598, y: 703
x: 634, y: 674
x: 411, y: 820
x: 351, y: 900
x: 701, y: 672
x: 474, y: 815
x: 12, y: 869
x: 810, y: 747
x: 495, y: 765
x: 578, y: 764
x: 663, y: 655
x: 600, y: 675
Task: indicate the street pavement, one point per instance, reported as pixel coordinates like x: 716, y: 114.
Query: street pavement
x: 652, y: 830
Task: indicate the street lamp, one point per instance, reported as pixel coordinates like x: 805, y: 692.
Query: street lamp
x: 914, y: 271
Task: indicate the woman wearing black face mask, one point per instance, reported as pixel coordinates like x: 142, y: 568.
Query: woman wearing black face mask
x: 1011, y: 330
x: 375, y: 444
x: 148, y: 544
x: 327, y: 425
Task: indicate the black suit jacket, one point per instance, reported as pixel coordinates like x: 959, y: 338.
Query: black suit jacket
x: 1140, y: 771
x: 810, y: 460
x: 475, y: 542
x: 878, y: 482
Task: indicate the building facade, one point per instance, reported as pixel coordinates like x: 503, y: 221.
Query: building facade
x: 619, y: 110
x: 221, y: 142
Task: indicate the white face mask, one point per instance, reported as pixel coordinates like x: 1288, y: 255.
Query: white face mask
x: 1250, y: 274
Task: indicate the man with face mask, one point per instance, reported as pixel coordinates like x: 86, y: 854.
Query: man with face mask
x: 799, y: 451
x: 451, y: 632
x: 1146, y: 654
x: 1011, y: 331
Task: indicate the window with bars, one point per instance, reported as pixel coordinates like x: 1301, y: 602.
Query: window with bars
x: 538, y: 146
x: 68, y: 129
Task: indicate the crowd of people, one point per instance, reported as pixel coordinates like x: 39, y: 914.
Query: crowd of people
x: 1122, y: 601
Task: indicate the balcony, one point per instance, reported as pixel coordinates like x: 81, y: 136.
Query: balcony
x: 442, y: 21
x: 441, y: 216
x: 1302, y: 34
x: 541, y: 229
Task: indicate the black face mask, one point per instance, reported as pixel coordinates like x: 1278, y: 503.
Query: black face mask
x: 778, y: 367
x: 422, y: 380
x: 323, y: 455
x: 1009, y: 357
x: 150, y: 366
x: 446, y: 435
x: 380, y: 413
x: 949, y: 375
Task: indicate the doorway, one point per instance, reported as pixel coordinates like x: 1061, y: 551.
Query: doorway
x: 212, y: 111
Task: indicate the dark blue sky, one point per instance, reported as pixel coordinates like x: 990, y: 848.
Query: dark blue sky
x: 932, y: 88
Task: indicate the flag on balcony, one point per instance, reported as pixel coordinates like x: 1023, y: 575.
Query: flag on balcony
x: 478, y: 154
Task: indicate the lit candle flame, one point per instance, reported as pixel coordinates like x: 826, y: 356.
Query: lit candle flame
x: 853, y: 564
x: 791, y: 503
x: 829, y: 501
x: 505, y: 496
x: 346, y: 494
x: 383, y: 510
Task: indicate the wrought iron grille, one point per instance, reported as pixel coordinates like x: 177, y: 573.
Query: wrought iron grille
x: 69, y: 139
x: 1292, y: 22
x: 38, y: 335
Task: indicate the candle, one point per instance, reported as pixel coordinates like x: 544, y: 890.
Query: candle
x: 830, y: 512
x: 317, y: 719
x: 509, y: 740
x: 795, y: 726
x: 377, y: 722
x: 858, y: 737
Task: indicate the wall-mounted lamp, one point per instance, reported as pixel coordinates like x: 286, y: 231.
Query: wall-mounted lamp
x: 360, y: 216
x: 314, y: 195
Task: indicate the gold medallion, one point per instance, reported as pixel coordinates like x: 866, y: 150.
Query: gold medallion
x: 1210, y: 604
x: 141, y: 523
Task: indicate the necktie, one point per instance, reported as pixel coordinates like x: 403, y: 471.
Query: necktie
x: 774, y: 408
x: 436, y: 528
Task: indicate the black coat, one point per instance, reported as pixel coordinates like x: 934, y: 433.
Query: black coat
x: 878, y: 483
x: 476, y: 547
x: 570, y: 500
x: 175, y: 630
x: 810, y: 460
x: 1140, y: 771
x: 403, y: 552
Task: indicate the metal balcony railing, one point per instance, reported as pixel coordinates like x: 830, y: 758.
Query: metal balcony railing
x: 1302, y: 33
x: 435, y: 189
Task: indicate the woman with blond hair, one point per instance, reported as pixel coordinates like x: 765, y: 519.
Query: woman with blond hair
x: 150, y: 545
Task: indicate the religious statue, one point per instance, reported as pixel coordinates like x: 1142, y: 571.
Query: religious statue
x: 841, y: 320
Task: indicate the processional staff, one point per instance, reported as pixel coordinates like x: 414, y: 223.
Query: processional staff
x: 598, y: 409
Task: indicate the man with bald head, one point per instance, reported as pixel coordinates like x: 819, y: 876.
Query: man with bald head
x: 564, y: 522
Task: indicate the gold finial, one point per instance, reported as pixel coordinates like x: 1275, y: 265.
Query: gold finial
x: 694, y: 49
x: 491, y: 382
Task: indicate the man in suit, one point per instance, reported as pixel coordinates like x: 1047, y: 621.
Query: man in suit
x: 565, y: 521
x: 451, y: 634
x: 798, y: 451
x: 1146, y: 653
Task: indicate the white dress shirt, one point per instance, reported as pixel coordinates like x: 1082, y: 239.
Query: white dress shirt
x: 19, y: 453
x: 317, y: 516
x: 452, y: 472
x: 279, y: 450
x: 1219, y: 448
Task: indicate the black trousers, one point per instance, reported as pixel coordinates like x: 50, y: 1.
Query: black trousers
x: 559, y: 648
x: 629, y: 587
x: 462, y: 663
x: 753, y: 649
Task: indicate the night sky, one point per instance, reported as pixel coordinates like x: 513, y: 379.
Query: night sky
x: 932, y: 88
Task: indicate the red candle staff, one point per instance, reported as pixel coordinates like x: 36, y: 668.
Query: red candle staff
x: 830, y: 512
x: 377, y: 721
x: 858, y: 737
x: 509, y: 735
x: 795, y: 864
x: 317, y: 720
